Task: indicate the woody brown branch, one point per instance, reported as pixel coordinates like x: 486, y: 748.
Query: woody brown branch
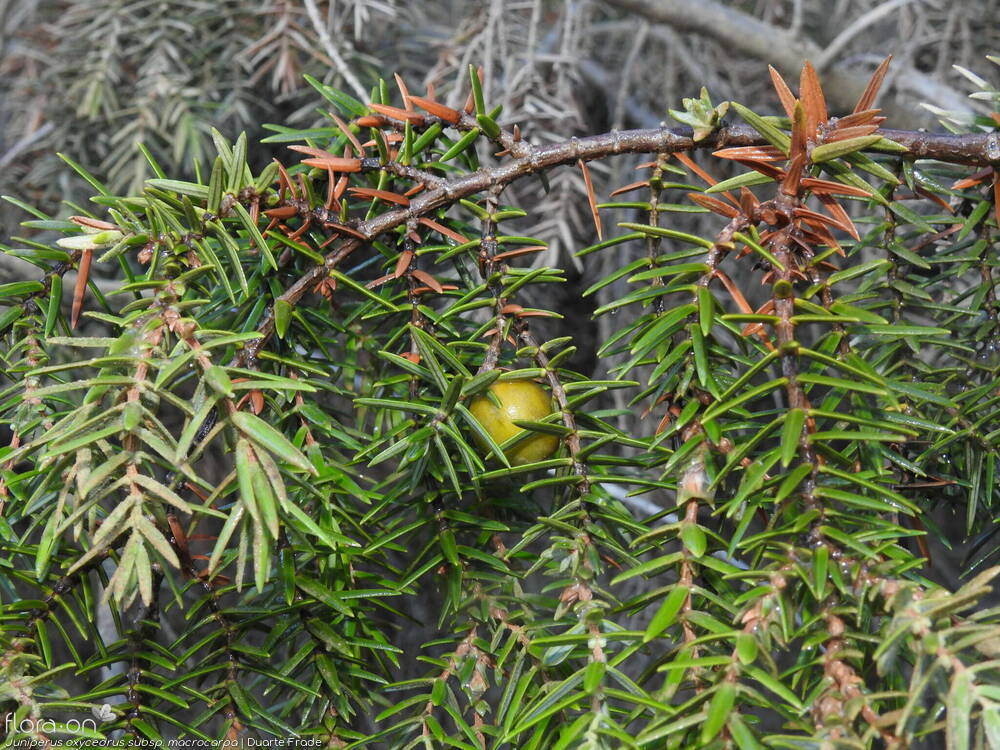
x: 488, y: 266
x: 957, y: 149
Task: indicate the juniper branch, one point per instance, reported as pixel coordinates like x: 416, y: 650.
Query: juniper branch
x: 975, y: 149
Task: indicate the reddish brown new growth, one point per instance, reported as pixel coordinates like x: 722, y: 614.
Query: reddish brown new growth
x: 403, y: 91
x: 842, y: 134
x: 784, y: 93
x: 381, y: 194
x: 443, y: 287
x: 326, y: 160
x: 508, y: 254
x: 427, y: 279
x: 332, y: 201
x: 629, y: 188
x: 838, y: 212
x: 86, y: 257
x: 714, y: 205
x: 874, y: 84
x: 812, y: 126
x: 822, y: 187
x: 83, y: 274
x: 793, y: 174
x: 787, y: 228
x: 996, y: 196
x: 375, y: 283
x: 982, y: 176
x: 734, y: 291
x: 95, y: 224
x: 976, y: 178
x: 591, y: 198
x: 814, y: 218
x: 281, y: 212
x: 403, y: 263
x: 813, y: 101
x: 398, y: 114
x: 348, y: 133
x: 326, y: 287
x: 285, y: 182
x: 442, y: 229
x: 690, y: 163
x: 449, y: 115
x: 519, y: 312
x: 342, y: 229
x: 818, y: 127
x: 751, y: 153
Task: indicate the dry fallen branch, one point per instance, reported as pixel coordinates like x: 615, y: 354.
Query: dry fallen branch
x: 786, y: 50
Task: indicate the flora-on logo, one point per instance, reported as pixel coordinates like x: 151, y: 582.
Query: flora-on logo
x: 103, y: 713
x: 49, y: 726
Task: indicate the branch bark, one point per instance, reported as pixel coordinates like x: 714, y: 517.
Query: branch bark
x: 787, y: 51
x: 975, y: 150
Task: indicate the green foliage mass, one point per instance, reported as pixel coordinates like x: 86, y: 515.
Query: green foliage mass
x: 226, y: 505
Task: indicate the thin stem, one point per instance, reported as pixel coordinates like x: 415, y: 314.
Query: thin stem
x: 528, y: 160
